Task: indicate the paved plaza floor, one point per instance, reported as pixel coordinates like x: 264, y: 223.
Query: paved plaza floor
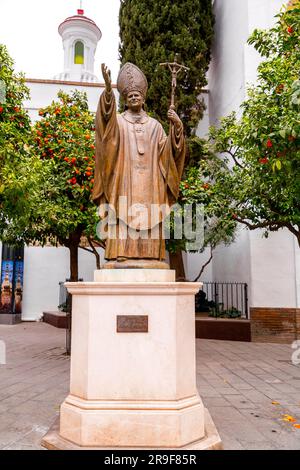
x: 252, y: 390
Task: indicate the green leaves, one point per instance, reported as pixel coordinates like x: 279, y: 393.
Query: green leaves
x: 295, y: 93
x: 282, y: 133
x: 14, y: 140
x: 276, y: 165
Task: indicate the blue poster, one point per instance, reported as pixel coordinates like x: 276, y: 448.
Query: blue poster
x: 18, y: 286
x: 6, y: 286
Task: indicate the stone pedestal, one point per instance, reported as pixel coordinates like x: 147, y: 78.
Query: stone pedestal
x: 133, y: 378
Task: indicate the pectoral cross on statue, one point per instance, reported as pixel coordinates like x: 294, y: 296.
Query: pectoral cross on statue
x: 174, y: 68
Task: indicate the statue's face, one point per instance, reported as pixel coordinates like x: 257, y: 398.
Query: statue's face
x: 135, y: 101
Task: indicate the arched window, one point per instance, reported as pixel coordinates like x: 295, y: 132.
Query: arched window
x: 79, y: 53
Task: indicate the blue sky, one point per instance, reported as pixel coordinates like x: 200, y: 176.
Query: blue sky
x: 29, y: 30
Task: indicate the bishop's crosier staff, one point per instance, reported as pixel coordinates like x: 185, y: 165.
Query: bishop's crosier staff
x: 174, y: 68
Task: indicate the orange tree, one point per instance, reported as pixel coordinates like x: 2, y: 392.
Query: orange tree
x: 59, y: 209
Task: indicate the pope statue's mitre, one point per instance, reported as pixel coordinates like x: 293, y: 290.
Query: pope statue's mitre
x: 131, y: 78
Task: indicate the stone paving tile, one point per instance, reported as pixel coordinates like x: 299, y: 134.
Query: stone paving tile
x: 34, y: 408
x: 272, y: 427
x: 231, y: 423
x: 256, y: 397
x: 276, y: 373
x: 219, y: 384
x: 228, y: 391
x: 237, y: 382
x: 293, y: 410
x: 6, y: 420
x: 239, y: 402
x: 296, y: 385
x: 263, y: 445
x: 243, y: 386
x: 33, y: 436
x: 215, y: 402
x: 286, y: 388
x: 12, y: 401
x: 8, y: 437
x: 21, y: 446
x: 270, y: 392
x: 277, y: 396
x: 208, y: 392
x: 230, y: 443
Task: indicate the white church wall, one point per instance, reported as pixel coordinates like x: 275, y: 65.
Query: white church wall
x: 273, y: 270
x: 1, y: 255
x: 43, y: 92
x: 232, y: 263
x: 44, y: 268
x: 87, y: 264
x: 265, y: 19
x: 203, y: 126
x: 297, y: 271
x: 193, y: 264
x: 226, y: 73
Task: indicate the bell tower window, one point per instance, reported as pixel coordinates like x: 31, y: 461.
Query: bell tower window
x: 79, y: 53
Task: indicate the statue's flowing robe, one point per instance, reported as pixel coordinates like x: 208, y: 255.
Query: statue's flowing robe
x: 135, y: 159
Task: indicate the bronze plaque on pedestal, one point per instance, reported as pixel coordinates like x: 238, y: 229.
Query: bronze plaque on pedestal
x: 132, y: 323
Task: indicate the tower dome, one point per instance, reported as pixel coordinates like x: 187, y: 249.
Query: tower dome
x: 80, y: 36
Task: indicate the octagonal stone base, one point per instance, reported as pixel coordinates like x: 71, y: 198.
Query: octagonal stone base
x: 135, y: 424
x: 210, y: 441
x: 133, y: 382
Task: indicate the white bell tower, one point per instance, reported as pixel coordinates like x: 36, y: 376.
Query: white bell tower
x: 80, y: 36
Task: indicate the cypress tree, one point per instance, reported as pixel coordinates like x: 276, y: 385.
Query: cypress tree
x: 151, y: 32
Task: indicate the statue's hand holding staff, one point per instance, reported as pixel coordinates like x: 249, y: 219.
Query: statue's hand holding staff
x: 107, y: 77
x: 173, y: 117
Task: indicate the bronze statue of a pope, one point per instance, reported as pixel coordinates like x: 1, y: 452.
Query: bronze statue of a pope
x: 139, y: 165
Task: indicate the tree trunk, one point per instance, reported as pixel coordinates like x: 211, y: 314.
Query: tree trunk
x: 97, y: 256
x: 176, y: 262
x: 73, y: 261
x: 204, y: 265
x: 95, y: 252
x: 74, y: 241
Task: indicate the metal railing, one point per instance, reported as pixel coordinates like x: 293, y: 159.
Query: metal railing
x: 63, y: 294
x: 65, y: 305
x: 223, y: 299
